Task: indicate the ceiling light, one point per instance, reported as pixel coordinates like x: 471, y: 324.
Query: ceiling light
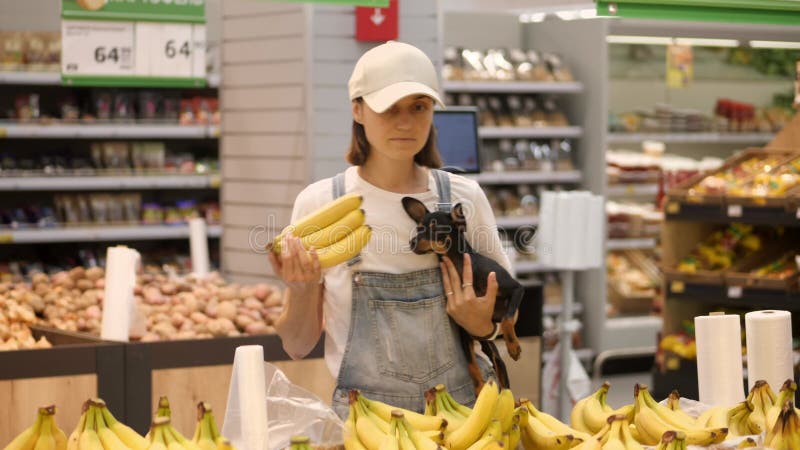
x: 774, y: 44
x: 697, y: 42
x: 649, y: 40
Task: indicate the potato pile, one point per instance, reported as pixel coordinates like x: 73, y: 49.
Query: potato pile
x: 169, y: 307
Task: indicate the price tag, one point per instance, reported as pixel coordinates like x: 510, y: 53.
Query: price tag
x: 164, y: 49
x: 6, y: 238
x: 734, y: 210
x: 215, y: 181
x: 97, y: 48
x: 4, y: 133
x: 677, y: 287
x: 734, y: 292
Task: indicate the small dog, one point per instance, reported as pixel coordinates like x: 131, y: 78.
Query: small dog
x: 444, y: 234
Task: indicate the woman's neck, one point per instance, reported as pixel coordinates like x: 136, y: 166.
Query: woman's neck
x: 393, y: 177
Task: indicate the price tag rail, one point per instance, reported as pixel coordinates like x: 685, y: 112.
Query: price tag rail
x: 733, y: 296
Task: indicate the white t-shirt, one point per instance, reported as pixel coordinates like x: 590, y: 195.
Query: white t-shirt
x: 388, y: 249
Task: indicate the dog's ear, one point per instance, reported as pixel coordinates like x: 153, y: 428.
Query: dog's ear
x: 457, y: 215
x: 414, y: 208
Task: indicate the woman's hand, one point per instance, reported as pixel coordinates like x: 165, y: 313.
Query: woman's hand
x: 298, y: 268
x: 472, y: 313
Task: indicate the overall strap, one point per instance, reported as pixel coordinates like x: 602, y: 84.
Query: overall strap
x: 443, y: 187
x: 338, y: 185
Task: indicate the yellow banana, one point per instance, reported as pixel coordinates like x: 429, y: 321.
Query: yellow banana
x: 591, y: 444
x: 786, y: 393
x: 46, y: 440
x: 368, y: 433
x: 627, y: 437
x: 158, y: 439
x: 163, y: 407
x: 576, y: 418
x: 786, y: 432
x: 595, y: 411
x: 677, y: 419
x: 110, y: 440
x: 89, y: 439
x: 363, y: 411
x: 504, y: 410
x: 346, y: 248
x: 319, y: 219
x: 421, y: 442
x: 454, y: 420
x: 673, y: 400
x: 514, y: 436
x: 536, y: 435
x: 761, y: 398
x: 390, y: 441
x: 552, y: 423
x: 634, y: 433
x: 650, y: 425
x: 72, y: 441
x: 404, y: 439
x: 614, y: 441
x: 417, y: 420
x: 181, y: 439
x: 494, y: 445
x: 224, y: 444
x: 130, y: 438
x: 669, y: 440
x: 626, y: 411
x: 204, y: 432
x: 477, y: 422
x: 27, y: 439
x: 334, y: 232
x: 457, y: 407
x: 747, y: 443
x: 480, y: 444
x: 494, y: 430
x: 738, y: 423
x: 715, y: 417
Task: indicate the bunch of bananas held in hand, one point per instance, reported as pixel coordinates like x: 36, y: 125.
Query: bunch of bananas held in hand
x: 44, y: 434
x: 785, y: 434
x: 336, y: 231
x: 672, y: 440
x: 652, y: 420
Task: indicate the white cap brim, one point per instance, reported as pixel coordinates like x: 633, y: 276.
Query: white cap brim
x: 380, y: 100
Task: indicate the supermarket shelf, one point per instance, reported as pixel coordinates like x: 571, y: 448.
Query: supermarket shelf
x: 734, y: 296
x: 98, y: 234
x: 106, y: 131
x: 77, y: 183
x: 30, y: 78
x: 554, y: 310
x: 755, y: 215
x: 529, y: 132
x: 631, y: 244
x: 528, y: 267
x: 650, y: 322
x: 621, y: 190
x: 517, y: 221
x: 516, y: 177
x: 721, y: 138
x: 54, y: 78
x: 519, y: 87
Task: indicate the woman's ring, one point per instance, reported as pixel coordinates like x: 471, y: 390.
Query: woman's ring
x: 466, y: 284
x: 448, y: 293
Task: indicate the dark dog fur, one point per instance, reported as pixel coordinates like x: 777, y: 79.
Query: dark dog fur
x: 444, y: 234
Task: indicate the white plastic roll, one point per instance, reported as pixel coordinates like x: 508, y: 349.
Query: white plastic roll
x: 595, y: 232
x: 719, y: 359
x: 578, y: 204
x: 769, y: 347
x: 121, y: 263
x: 198, y: 243
x: 248, y: 368
x: 545, y: 234
x: 563, y: 238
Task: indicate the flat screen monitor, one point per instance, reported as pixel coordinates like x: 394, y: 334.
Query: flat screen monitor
x: 457, y: 138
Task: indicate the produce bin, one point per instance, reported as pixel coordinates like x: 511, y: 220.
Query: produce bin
x: 76, y: 368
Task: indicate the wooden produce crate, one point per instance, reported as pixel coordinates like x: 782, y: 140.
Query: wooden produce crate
x: 191, y: 371
x: 76, y: 368
x: 742, y: 275
x: 686, y: 192
x: 789, y: 165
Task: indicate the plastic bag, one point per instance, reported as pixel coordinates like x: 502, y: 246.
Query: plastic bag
x: 578, y: 383
x: 291, y: 411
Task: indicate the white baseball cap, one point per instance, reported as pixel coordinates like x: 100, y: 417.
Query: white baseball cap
x: 391, y: 71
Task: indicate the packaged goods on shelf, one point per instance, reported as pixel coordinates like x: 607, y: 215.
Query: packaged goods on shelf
x: 510, y: 202
x: 633, y: 281
x: 771, y: 270
x: 627, y: 167
x: 30, y: 51
x: 523, y: 154
x: 513, y: 110
x: 503, y: 65
x: 633, y: 220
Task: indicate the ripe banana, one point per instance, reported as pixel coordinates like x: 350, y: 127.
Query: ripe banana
x: 672, y: 440
x: 786, y: 432
x: 576, y: 418
x: 417, y: 420
x: 390, y: 440
x: 110, y: 440
x: 334, y: 232
x: 457, y: 407
x: 157, y: 437
x: 786, y: 393
x: 421, y: 442
x: 651, y: 426
x: 494, y: 430
x: 89, y: 440
x: 345, y: 248
x: 761, y: 398
x: 163, y: 407
x: 614, y: 441
x: 591, y: 444
x: 536, y: 435
x: 319, y: 219
x: 504, y: 410
x: 27, y: 439
x: 368, y: 433
x: 514, y: 436
x: 224, y: 444
x: 477, y: 422
x: 46, y: 440
x: 552, y: 423
x: 206, y: 432
x: 627, y: 437
x: 677, y: 419
x: 673, y: 401
x: 595, y: 411
x: 715, y: 417
x: 72, y: 441
x: 130, y: 438
x: 747, y: 443
x: 738, y: 423
x: 443, y: 410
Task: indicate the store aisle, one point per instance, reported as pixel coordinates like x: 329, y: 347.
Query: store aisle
x: 621, y: 392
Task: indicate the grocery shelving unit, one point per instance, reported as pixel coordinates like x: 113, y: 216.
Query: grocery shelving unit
x: 631, y: 244
x: 529, y: 132
x: 115, y: 182
x: 107, y: 131
x: 98, y: 233
x: 691, y: 138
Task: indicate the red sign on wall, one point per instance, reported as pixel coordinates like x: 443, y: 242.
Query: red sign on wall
x: 377, y: 24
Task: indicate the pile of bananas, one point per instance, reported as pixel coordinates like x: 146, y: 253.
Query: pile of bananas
x: 336, y: 231
x: 206, y: 434
x: 44, y: 434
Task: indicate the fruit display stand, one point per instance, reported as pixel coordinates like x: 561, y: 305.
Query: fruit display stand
x: 191, y: 371
x: 77, y: 367
x: 689, y: 220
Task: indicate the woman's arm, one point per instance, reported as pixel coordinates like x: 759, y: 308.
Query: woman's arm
x: 300, y: 323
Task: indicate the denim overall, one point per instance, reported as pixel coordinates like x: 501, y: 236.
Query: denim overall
x: 401, y: 341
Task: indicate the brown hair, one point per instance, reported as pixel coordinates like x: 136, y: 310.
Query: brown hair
x: 359, y: 148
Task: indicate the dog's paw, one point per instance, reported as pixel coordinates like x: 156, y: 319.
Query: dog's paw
x: 514, y: 349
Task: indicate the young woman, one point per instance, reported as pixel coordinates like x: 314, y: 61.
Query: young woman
x: 389, y: 318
